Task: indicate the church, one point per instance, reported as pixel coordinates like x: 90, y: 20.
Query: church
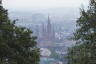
x: 47, y: 34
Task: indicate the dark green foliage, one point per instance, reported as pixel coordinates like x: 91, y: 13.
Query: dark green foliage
x: 84, y: 52
x: 17, y: 45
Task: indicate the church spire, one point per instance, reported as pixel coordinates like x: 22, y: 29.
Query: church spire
x: 49, y: 23
x: 0, y: 2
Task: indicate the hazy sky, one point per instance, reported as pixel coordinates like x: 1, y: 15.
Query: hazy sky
x: 27, y: 4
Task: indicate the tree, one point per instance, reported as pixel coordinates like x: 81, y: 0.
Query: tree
x: 17, y: 45
x: 85, y: 36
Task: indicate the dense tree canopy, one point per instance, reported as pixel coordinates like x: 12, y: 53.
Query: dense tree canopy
x: 84, y: 52
x: 17, y: 45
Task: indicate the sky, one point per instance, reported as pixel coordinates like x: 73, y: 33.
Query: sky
x: 42, y: 4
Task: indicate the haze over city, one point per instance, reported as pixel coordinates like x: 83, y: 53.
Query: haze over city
x: 42, y: 4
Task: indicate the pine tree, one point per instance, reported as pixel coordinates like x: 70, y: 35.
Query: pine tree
x: 85, y: 36
x: 17, y: 45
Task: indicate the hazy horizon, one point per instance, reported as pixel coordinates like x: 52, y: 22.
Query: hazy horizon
x: 42, y: 4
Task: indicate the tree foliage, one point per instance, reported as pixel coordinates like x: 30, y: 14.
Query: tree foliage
x: 84, y: 52
x: 17, y: 45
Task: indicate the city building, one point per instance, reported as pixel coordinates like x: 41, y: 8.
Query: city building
x: 47, y: 34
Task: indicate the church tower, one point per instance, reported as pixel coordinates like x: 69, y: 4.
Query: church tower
x: 49, y: 27
x: 43, y: 30
x: 49, y: 30
x: 0, y: 2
